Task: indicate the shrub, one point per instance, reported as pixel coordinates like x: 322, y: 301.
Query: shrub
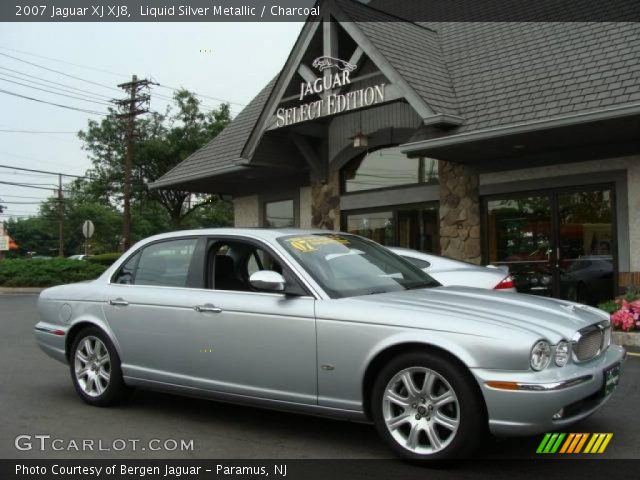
x: 624, y: 311
x: 46, y: 273
x: 106, y: 259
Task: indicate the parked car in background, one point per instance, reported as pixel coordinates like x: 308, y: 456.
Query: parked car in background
x: 454, y: 272
x: 330, y: 324
x: 588, y: 279
x: 78, y: 257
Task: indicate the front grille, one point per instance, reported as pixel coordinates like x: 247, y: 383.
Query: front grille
x: 592, y: 341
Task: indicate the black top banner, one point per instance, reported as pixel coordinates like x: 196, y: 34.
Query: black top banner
x: 302, y: 10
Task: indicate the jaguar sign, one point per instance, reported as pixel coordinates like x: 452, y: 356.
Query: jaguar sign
x: 327, y: 87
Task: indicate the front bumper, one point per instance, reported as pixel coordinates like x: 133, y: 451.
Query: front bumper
x: 531, y: 408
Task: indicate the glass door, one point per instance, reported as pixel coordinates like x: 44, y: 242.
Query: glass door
x: 586, y: 245
x: 520, y: 236
x: 556, y: 243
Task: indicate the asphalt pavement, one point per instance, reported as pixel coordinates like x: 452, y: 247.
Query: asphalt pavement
x: 37, y: 398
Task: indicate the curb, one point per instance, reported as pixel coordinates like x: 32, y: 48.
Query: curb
x: 626, y: 339
x: 20, y: 290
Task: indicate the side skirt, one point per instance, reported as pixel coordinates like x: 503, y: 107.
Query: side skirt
x: 270, y: 404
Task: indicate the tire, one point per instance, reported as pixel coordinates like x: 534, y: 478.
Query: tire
x: 413, y: 425
x: 95, y: 369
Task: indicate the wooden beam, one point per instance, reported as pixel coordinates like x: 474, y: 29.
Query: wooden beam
x: 356, y: 56
x: 306, y: 73
x: 318, y: 170
x: 417, y: 102
x: 329, y: 43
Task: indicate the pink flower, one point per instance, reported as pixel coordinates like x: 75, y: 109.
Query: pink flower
x: 623, y: 319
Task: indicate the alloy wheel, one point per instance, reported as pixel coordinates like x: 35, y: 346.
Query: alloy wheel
x: 421, y: 410
x: 92, y: 366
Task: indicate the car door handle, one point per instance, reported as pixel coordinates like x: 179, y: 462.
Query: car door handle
x: 118, y: 302
x: 207, y: 308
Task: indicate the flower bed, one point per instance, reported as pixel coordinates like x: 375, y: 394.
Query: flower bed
x: 624, y: 311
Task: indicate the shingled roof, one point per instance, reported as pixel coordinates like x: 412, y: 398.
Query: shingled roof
x: 413, y: 50
x: 490, y: 74
x: 221, y: 153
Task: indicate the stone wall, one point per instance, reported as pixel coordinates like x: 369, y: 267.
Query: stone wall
x: 305, y: 207
x: 325, y: 203
x: 246, y: 211
x: 459, y: 213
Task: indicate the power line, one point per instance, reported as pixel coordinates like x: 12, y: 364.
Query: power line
x: 64, y: 61
x: 41, y: 171
x: 32, y: 131
x: 99, y: 96
x: 217, y: 99
x: 23, y: 196
x: 82, y: 99
x: 91, y: 112
x: 58, y: 72
x: 27, y: 185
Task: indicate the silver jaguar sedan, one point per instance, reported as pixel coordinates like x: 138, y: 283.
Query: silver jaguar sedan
x: 330, y: 324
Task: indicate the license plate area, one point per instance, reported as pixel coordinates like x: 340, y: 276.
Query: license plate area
x: 611, y: 379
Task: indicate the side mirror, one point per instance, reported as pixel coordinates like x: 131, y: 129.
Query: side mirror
x: 268, y: 281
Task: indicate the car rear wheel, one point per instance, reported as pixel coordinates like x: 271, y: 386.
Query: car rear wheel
x: 426, y: 408
x: 95, y: 368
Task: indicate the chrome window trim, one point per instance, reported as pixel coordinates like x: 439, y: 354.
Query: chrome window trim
x: 317, y: 292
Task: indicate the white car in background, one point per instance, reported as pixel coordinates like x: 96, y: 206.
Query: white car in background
x: 454, y: 272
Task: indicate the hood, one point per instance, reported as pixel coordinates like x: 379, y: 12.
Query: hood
x: 436, y: 308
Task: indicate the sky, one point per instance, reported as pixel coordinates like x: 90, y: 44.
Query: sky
x: 230, y: 61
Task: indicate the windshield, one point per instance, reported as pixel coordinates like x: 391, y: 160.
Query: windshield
x: 346, y: 265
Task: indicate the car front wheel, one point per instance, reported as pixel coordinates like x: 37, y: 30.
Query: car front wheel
x: 95, y: 368
x: 426, y: 408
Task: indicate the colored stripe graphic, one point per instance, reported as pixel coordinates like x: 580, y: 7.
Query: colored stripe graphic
x: 573, y: 443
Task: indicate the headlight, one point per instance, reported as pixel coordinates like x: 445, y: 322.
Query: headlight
x: 562, y: 354
x: 540, y: 355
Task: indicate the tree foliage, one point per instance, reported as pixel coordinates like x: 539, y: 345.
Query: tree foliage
x: 162, y: 141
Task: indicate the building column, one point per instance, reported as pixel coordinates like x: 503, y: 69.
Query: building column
x: 459, y: 212
x: 325, y: 202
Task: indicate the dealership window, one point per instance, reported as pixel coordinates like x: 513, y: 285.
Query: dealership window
x: 408, y: 226
x: 279, y: 214
x: 385, y: 168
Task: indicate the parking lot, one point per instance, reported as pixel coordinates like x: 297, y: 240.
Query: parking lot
x: 38, y: 398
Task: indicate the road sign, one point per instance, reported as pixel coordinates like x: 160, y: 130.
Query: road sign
x: 88, y: 229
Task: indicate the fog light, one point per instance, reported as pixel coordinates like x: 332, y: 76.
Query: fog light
x: 559, y: 414
x: 562, y: 354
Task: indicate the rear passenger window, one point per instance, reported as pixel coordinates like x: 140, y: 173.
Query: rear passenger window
x: 165, y: 264
x: 127, y: 271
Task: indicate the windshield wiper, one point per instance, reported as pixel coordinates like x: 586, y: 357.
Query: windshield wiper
x: 418, y: 285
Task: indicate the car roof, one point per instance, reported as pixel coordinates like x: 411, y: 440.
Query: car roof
x: 259, y: 233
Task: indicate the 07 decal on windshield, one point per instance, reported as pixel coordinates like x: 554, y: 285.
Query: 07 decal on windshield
x: 312, y: 243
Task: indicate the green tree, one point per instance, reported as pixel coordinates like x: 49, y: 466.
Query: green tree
x: 163, y: 140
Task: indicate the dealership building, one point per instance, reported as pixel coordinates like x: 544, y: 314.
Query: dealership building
x: 515, y: 144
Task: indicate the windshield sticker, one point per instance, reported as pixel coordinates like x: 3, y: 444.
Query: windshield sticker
x: 312, y: 243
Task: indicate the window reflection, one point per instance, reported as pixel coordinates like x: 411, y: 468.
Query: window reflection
x: 388, y: 167
x: 279, y: 214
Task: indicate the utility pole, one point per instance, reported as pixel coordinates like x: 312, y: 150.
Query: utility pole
x: 136, y: 104
x: 60, y: 218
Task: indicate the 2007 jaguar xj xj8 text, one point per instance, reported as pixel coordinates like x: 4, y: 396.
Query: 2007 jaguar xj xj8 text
x: 330, y: 324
